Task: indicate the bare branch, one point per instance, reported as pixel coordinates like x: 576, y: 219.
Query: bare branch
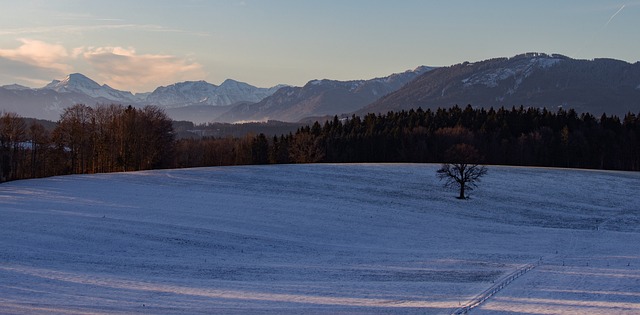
x: 463, y: 173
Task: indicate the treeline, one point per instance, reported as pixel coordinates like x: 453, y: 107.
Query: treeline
x: 105, y: 138
x: 516, y: 136
x: 110, y: 138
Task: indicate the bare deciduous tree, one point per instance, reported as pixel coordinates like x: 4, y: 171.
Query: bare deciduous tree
x: 462, y: 170
x: 76, y: 129
x: 12, y: 137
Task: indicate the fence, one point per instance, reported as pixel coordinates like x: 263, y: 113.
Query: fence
x: 491, y: 291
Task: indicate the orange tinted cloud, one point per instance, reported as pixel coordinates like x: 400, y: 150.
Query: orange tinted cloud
x: 40, y: 54
x: 120, y: 68
x: 123, y: 68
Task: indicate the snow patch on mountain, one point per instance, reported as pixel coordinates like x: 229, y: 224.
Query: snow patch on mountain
x: 547, y: 62
x: 79, y: 83
x: 204, y: 93
x: 175, y: 95
x: 182, y: 93
x: 520, y: 69
x: 354, y: 85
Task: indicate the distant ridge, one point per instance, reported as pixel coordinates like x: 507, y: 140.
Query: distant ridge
x: 204, y: 93
x: 49, y: 101
x: 321, y: 97
x: 533, y: 80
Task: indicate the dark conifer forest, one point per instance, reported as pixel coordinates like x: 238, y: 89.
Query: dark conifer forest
x: 113, y: 138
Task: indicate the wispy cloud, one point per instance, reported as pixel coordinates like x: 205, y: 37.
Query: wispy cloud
x: 123, y: 68
x: 78, y: 29
x: 40, y: 54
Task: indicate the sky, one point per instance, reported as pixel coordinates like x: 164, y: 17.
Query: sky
x: 140, y: 45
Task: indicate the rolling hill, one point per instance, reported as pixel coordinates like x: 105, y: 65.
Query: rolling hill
x: 318, y: 239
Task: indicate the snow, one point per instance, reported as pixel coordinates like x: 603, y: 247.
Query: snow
x: 319, y: 239
x: 204, y: 93
x: 520, y: 70
x: 175, y: 95
x: 79, y: 83
x: 546, y: 62
x: 355, y: 85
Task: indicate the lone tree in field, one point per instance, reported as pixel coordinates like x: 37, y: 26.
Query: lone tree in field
x: 462, y: 169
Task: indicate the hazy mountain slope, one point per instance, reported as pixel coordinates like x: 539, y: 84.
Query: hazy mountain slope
x: 197, y: 114
x: 539, y: 80
x: 14, y: 87
x: 320, y: 97
x: 203, y: 93
x: 49, y: 101
x: 41, y: 103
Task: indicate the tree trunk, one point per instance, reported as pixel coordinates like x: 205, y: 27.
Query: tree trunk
x: 461, y: 191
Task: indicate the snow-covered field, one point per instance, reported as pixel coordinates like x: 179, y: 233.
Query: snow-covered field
x: 305, y: 239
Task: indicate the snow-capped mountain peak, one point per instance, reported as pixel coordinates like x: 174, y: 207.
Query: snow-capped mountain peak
x: 79, y: 83
x: 175, y: 95
x: 204, y: 93
x: 73, y: 82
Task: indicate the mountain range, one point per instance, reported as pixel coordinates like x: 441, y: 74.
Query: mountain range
x: 49, y: 101
x: 533, y: 79
x: 321, y: 98
x: 200, y: 101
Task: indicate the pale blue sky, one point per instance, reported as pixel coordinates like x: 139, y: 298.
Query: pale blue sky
x: 138, y: 45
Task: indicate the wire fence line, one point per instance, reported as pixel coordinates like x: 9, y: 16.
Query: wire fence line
x: 493, y: 290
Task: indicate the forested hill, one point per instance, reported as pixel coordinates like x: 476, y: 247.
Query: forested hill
x: 532, y: 80
x: 115, y: 138
x: 516, y: 136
